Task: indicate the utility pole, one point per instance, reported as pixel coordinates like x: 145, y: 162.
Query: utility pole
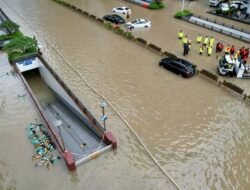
x: 182, y: 6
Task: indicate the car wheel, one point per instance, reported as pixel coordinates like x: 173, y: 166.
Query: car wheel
x: 146, y: 26
x: 113, y: 11
x: 123, y: 13
x: 160, y: 64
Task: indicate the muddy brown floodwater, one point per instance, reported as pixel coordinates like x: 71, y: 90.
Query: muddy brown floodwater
x: 198, y: 132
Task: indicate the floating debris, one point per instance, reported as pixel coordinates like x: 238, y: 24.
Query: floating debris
x: 43, y: 146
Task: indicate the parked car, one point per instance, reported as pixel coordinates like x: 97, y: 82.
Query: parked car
x: 179, y: 66
x: 114, y: 19
x: 138, y: 23
x: 3, y: 43
x: 238, y: 5
x: 121, y: 10
x: 224, y: 7
x: 216, y: 3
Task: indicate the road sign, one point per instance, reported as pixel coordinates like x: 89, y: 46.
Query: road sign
x: 104, y: 118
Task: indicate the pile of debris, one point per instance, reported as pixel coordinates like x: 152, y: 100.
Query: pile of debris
x: 43, y: 146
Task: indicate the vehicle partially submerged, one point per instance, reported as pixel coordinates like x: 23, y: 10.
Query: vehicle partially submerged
x: 178, y: 66
x: 230, y: 66
x: 78, y: 136
x: 138, y: 23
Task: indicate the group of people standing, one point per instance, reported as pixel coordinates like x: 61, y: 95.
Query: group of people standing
x: 242, y: 54
x: 186, y: 42
x: 207, y: 44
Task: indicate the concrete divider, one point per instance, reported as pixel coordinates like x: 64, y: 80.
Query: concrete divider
x: 73, y: 7
x: 209, y: 75
x: 142, y: 41
x: 155, y: 48
x: 79, y: 10
x: 233, y: 87
x: 67, y: 4
x: 85, y: 13
x: 100, y: 20
x: 92, y: 16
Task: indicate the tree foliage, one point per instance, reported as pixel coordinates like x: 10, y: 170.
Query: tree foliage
x: 156, y: 5
x: 9, y: 25
x: 21, y: 45
x: 183, y: 13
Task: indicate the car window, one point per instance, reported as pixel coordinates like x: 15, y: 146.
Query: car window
x: 126, y: 8
x: 119, y: 8
x: 175, y: 64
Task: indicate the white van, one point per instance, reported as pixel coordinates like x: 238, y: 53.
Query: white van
x: 216, y: 3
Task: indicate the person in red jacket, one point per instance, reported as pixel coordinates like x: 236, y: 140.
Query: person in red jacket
x: 232, y: 50
x: 244, y: 60
x: 219, y: 47
x: 242, y: 51
x: 246, y: 52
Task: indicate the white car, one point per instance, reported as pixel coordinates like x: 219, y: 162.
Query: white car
x: 238, y: 5
x: 224, y: 7
x: 121, y: 10
x: 138, y: 23
x: 216, y: 3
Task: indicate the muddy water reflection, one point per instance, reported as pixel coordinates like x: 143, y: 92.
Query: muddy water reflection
x: 197, y: 131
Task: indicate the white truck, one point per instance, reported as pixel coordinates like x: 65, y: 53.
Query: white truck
x: 228, y: 66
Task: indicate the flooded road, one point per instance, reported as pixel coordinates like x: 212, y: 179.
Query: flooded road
x: 198, y: 132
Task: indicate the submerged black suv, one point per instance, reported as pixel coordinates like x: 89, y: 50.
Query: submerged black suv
x: 179, y: 66
x: 116, y: 19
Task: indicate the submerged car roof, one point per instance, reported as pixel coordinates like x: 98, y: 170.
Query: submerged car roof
x: 181, y: 61
x: 117, y: 16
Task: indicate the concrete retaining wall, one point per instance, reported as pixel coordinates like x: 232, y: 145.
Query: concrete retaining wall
x: 235, y: 34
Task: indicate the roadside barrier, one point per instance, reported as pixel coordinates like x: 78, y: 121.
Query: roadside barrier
x: 142, y: 41
x: 100, y: 20
x: 213, y: 12
x: 221, y: 23
x: 209, y: 75
x: 170, y: 55
x: 155, y: 48
x: 79, y: 10
x: 92, y: 17
x: 85, y: 13
x: 233, y: 87
x: 73, y: 7
x: 224, y: 83
x: 220, y: 27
